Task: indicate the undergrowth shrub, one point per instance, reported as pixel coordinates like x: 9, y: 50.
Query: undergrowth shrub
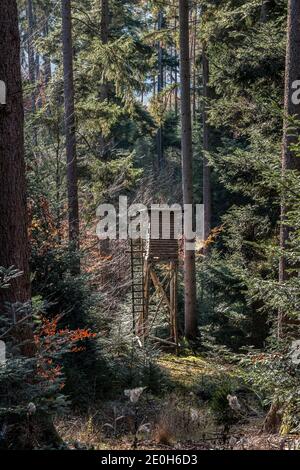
x: 276, y: 378
x: 32, y: 379
x: 181, y: 419
x: 132, y: 362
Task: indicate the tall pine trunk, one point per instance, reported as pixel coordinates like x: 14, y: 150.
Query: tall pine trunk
x: 289, y: 160
x: 13, y: 216
x: 13, y: 222
x: 104, y: 21
x: 160, y: 86
x: 104, y: 245
x: 46, y: 58
x: 70, y: 129
x: 206, y: 135
x: 31, y: 55
x: 176, y: 70
x: 104, y: 88
x: 187, y: 168
x: 194, y: 63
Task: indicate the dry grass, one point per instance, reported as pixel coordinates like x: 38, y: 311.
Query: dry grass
x: 172, y: 432
x: 79, y: 431
x: 176, y: 421
x: 181, y: 419
x: 162, y: 435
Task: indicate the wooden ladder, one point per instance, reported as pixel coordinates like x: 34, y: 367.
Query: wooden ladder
x: 137, y: 285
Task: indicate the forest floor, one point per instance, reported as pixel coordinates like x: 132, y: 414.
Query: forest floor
x: 179, y: 418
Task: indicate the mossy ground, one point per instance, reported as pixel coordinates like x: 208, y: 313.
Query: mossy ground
x: 187, y: 371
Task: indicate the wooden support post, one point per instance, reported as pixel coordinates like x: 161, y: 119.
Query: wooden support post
x: 149, y: 283
x: 173, y: 301
x: 159, y: 287
x: 147, y: 267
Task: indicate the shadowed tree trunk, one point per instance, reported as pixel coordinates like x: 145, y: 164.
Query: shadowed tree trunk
x: 160, y: 86
x: 291, y: 108
x: 13, y: 220
x: 104, y: 20
x: 175, y: 6
x: 70, y: 130
x: 13, y: 227
x: 176, y: 71
x: 187, y: 168
x: 46, y: 58
x: 194, y: 62
x: 104, y: 88
x: 206, y: 168
x: 104, y: 245
x: 266, y: 10
x: 31, y: 58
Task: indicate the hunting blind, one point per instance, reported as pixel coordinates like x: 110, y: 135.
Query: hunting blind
x: 154, y: 269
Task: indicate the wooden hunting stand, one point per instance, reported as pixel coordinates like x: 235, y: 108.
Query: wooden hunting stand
x: 154, y: 267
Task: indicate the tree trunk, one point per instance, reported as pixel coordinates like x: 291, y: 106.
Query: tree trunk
x: 194, y: 19
x: 104, y: 21
x: 187, y: 168
x: 160, y: 86
x: 104, y: 88
x: 104, y: 245
x: 176, y: 71
x: 13, y: 219
x: 289, y: 160
x: 31, y: 58
x: 266, y: 9
x: 70, y: 130
x: 206, y: 168
x: 46, y: 58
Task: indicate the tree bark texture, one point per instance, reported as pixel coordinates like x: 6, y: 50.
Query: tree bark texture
x: 187, y: 167
x: 291, y: 109
x: 13, y: 213
x: 70, y: 129
x: 206, y: 167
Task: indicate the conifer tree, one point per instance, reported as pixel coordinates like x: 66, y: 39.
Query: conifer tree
x: 187, y: 168
x: 70, y: 127
x: 13, y: 219
x: 291, y: 110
